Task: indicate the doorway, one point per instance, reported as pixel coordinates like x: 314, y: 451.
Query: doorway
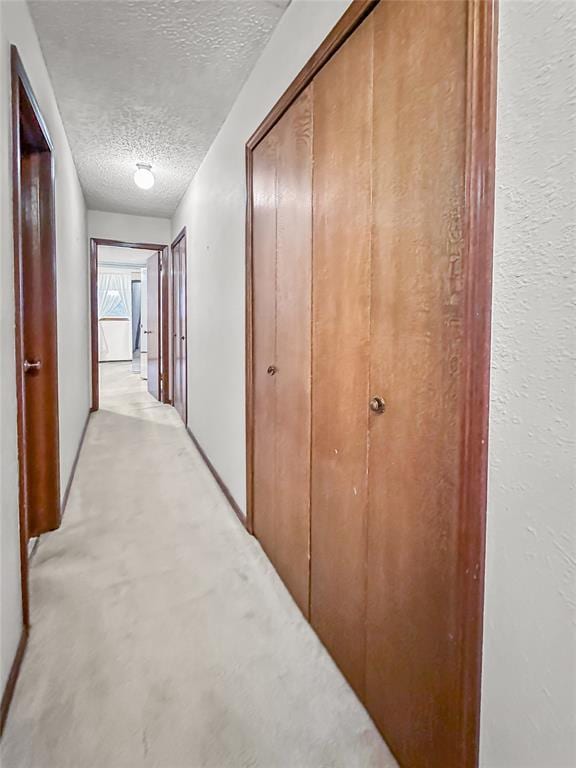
x: 179, y: 327
x: 129, y: 315
x: 35, y: 321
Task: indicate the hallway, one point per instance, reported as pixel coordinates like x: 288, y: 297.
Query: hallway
x: 171, y: 641
x: 287, y: 394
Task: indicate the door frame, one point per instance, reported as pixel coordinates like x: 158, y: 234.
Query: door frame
x: 180, y: 236
x: 95, y: 243
x: 21, y: 87
x: 482, y: 46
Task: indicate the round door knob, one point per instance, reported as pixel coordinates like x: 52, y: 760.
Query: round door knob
x: 271, y: 370
x: 378, y: 405
x: 29, y: 367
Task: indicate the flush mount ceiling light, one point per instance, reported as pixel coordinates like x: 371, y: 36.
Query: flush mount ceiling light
x: 144, y: 178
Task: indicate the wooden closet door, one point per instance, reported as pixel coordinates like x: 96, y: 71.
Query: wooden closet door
x: 282, y: 235
x: 176, y: 381
x: 264, y: 339
x: 341, y: 337
x: 179, y: 357
x: 413, y: 612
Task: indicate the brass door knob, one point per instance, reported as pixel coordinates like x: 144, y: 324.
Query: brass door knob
x: 272, y: 370
x: 378, y: 404
x: 29, y: 367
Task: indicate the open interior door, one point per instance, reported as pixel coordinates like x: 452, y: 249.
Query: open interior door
x: 36, y: 326
x: 152, y: 330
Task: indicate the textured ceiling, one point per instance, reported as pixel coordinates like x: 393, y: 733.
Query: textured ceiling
x: 148, y: 82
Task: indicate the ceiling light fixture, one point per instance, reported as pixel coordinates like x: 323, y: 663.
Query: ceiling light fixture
x: 144, y: 178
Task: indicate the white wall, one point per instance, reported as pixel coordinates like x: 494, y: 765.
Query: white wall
x: 110, y: 254
x: 73, y: 326
x: 130, y: 229
x: 115, y: 340
x: 213, y: 211
x: 529, y: 688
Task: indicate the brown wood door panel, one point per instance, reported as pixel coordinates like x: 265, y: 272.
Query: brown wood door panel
x: 283, y: 262
x: 153, y: 299
x: 176, y: 393
x: 179, y: 341
x: 153, y: 342
x: 293, y: 345
x: 179, y: 402
x: 39, y: 448
x: 175, y: 324
x: 413, y: 619
x: 341, y: 335
x: 183, y: 340
x: 165, y: 325
x: 264, y: 341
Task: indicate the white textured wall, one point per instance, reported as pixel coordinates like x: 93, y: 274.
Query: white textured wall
x: 73, y: 328
x: 213, y: 210
x: 128, y: 228
x: 529, y: 683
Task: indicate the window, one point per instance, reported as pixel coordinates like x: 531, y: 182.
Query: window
x: 114, y: 295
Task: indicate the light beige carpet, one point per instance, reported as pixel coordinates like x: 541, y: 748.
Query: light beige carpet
x: 161, y: 634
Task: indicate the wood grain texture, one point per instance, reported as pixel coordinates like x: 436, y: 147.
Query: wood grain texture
x: 17, y: 74
x: 357, y: 11
x: 341, y: 348
x: 413, y: 620
x: 264, y: 236
x: 249, y: 330
x: 429, y: 346
x: 165, y: 324
x: 351, y: 19
x: 154, y: 329
x: 179, y: 328
x: 283, y: 263
x: 35, y: 316
x: 293, y: 345
x: 481, y: 94
x: 41, y: 467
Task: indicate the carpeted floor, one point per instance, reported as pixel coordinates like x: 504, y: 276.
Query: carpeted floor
x: 161, y: 634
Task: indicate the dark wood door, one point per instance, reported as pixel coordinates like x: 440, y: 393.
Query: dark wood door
x: 36, y: 325
x: 179, y: 356
x: 165, y: 364
x: 414, y: 615
x: 282, y: 342
x: 341, y: 344
x: 153, y: 331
